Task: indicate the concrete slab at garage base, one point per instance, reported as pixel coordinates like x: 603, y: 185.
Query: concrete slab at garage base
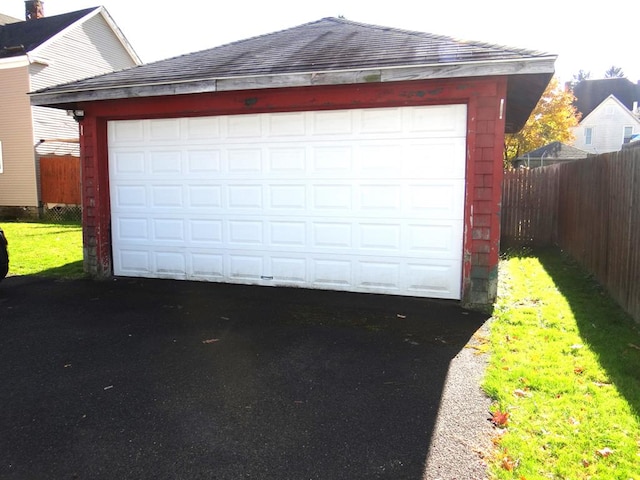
x: 138, y: 378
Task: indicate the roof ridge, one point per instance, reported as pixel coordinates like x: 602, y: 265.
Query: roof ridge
x: 419, y: 33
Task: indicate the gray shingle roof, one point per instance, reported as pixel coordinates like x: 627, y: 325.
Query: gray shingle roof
x: 558, y: 151
x: 330, y: 50
x: 21, y: 37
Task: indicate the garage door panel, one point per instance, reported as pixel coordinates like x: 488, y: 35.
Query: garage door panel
x: 244, y: 197
x: 434, y: 279
x: 202, y: 128
x: 379, y: 275
x: 207, y: 266
x: 359, y: 200
x: 433, y: 200
x: 170, y: 264
x: 243, y: 126
x: 288, y: 270
x: 204, y: 162
x: 438, y: 121
x: 163, y: 163
x: 167, y: 196
x: 206, y: 197
x: 288, y: 233
x: 331, y: 272
x: 133, y: 262
x: 205, y: 232
x: 126, y: 131
x: 245, y: 160
x: 287, y: 160
x: 124, y: 163
x: 168, y: 230
x: 243, y: 267
x: 129, y: 196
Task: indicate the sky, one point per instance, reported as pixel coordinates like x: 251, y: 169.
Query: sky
x: 591, y: 38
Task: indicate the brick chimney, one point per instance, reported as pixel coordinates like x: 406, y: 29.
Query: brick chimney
x: 34, y: 9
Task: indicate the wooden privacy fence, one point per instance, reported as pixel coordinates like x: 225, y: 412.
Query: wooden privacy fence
x: 60, y: 180
x: 591, y: 209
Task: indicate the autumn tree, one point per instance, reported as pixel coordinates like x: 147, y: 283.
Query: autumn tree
x: 552, y: 120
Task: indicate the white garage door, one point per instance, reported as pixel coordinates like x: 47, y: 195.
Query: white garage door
x: 367, y: 200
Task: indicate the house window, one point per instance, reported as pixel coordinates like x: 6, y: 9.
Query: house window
x: 628, y: 133
x: 588, y: 134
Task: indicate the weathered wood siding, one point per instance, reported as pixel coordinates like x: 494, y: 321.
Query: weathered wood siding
x: 60, y: 180
x: 18, y: 177
x: 591, y: 209
x: 529, y: 206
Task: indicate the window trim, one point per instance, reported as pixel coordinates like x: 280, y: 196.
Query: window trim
x: 588, y: 135
x: 627, y: 138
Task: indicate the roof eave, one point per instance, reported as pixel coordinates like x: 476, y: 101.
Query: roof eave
x: 66, y: 99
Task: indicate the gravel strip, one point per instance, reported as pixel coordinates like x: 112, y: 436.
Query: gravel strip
x: 463, y: 432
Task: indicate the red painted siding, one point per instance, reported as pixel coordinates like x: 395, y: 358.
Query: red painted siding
x: 485, y: 137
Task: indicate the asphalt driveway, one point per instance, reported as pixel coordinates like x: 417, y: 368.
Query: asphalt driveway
x: 131, y: 378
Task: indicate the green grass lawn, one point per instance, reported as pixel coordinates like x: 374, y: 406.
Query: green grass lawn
x: 564, y: 373
x: 44, y: 249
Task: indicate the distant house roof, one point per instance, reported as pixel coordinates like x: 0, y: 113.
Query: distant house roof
x: 327, y: 51
x: 21, y: 37
x: 591, y: 93
x: 556, y: 151
x: 5, y: 19
x: 612, y: 99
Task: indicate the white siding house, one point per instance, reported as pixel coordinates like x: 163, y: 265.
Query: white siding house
x: 607, y: 127
x: 76, y: 45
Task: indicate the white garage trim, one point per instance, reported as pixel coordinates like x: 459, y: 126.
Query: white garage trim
x: 364, y: 200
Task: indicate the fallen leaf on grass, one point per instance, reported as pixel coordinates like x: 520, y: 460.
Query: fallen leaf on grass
x: 508, y: 464
x: 521, y: 393
x: 211, y: 340
x: 578, y: 370
x: 586, y: 463
x: 500, y: 419
x: 604, y: 452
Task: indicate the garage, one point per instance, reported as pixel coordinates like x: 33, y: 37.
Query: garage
x: 364, y: 200
x: 330, y: 155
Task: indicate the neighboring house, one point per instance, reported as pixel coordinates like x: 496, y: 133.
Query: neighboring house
x: 332, y: 155
x: 554, y: 152
x: 5, y: 19
x: 609, y: 113
x: 591, y: 93
x: 607, y: 127
x: 36, y: 54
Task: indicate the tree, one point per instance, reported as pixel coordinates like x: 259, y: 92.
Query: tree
x: 614, y: 72
x: 552, y: 120
x: 579, y: 77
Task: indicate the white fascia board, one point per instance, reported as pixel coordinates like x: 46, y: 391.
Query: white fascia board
x: 541, y: 65
x: 14, y: 62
